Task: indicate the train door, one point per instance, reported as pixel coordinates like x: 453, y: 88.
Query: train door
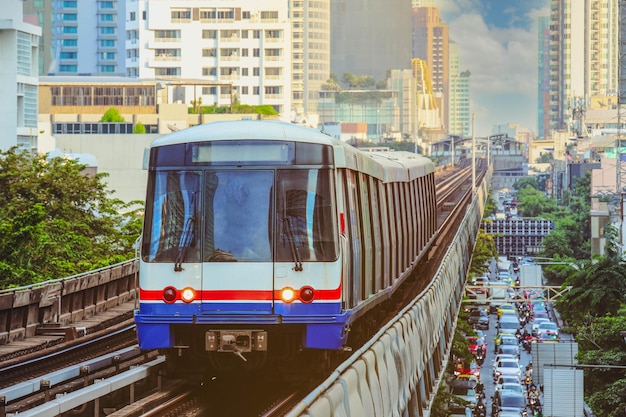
x: 237, y: 269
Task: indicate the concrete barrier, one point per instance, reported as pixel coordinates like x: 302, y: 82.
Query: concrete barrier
x: 65, y: 301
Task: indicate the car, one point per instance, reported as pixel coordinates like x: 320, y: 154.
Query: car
x: 506, y: 307
x: 509, y: 401
x: 507, y: 367
x: 536, y: 323
x: 548, y: 327
x: 465, y: 393
x: 460, y: 411
x: 482, y: 280
x: 512, y: 350
x: 506, y: 379
x: 541, y: 315
x: 513, y: 386
x: 547, y: 337
x: 502, y: 356
x: 466, y: 380
x: 479, y: 318
x: 504, y: 339
x: 508, y: 324
x: 475, y: 343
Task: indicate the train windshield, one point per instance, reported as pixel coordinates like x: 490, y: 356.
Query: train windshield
x: 253, y: 215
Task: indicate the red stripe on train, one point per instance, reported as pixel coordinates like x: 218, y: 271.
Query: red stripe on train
x: 238, y: 295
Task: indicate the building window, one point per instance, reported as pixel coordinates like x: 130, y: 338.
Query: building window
x: 244, y: 34
x: 209, y: 71
x: 106, y: 56
x: 167, y: 35
x: 244, y: 52
x: 256, y: 34
x: 244, y: 72
x: 256, y: 52
x: 209, y: 52
x: 245, y: 15
x: 133, y: 16
x: 68, y: 55
x: 107, y: 43
x: 256, y: 71
x: 269, y: 15
x: 107, y: 18
x: 69, y: 42
x: 70, y: 17
x: 107, y: 68
x: 68, y: 68
x: 167, y: 72
x: 256, y: 91
x: 105, y: 4
x: 182, y: 15
x: 107, y: 31
x: 69, y: 29
x: 209, y: 34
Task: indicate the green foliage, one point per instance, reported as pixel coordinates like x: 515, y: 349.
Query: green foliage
x: 597, y: 290
x: 484, y: 250
x: 265, y: 110
x: 533, y: 203
x: 112, y: 115
x: 56, y: 221
x: 526, y: 181
x: 545, y: 158
x: 139, y: 128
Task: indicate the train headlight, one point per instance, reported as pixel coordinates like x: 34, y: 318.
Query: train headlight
x: 287, y: 294
x: 188, y: 295
x: 169, y: 295
x: 307, y: 294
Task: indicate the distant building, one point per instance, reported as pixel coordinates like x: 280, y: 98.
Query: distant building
x: 431, y: 43
x: 19, y: 45
x: 249, y: 47
x: 370, y: 36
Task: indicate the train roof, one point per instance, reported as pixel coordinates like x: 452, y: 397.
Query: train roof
x: 388, y: 166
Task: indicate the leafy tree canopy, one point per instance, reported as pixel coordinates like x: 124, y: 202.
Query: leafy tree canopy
x: 112, y: 115
x: 56, y: 221
x: 139, y: 128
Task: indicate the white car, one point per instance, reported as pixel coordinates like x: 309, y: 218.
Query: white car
x: 536, y: 323
x: 547, y: 327
x: 507, y: 367
x: 506, y: 379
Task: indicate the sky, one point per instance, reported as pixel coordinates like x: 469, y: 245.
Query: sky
x: 497, y: 41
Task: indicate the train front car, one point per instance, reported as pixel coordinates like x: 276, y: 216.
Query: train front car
x: 240, y: 249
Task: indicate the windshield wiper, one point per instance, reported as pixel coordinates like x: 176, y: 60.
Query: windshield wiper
x: 292, y: 243
x: 187, y: 237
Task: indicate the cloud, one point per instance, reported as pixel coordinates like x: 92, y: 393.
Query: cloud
x: 497, y: 41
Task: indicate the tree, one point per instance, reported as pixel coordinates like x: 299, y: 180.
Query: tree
x: 526, y: 181
x: 139, y: 128
x: 597, y: 290
x: 112, y: 115
x: 56, y: 221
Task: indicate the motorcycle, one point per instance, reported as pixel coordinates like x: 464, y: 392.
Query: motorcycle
x: 480, y: 410
x: 480, y: 357
x: 526, y: 344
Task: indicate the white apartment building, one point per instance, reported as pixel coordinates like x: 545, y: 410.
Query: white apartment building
x: 213, y: 51
x: 19, y: 43
x: 584, y: 58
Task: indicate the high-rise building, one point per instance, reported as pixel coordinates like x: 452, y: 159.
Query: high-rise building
x: 19, y: 45
x: 459, y: 97
x: 236, y: 50
x: 370, y: 37
x: 583, y: 55
x: 310, y: 31
x: 431, y: 44
x: 43, y: 11
x: 80, y: 37
x: 543, y: 84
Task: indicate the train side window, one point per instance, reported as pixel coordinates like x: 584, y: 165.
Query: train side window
x: 385, y: 231
x: 366, y: 236
x: 172, y: 217
x: 376, y: 235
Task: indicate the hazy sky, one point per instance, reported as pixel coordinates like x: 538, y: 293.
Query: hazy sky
x: 497, y: 42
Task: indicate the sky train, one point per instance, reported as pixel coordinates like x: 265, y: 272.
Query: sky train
x: 266, y: 237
